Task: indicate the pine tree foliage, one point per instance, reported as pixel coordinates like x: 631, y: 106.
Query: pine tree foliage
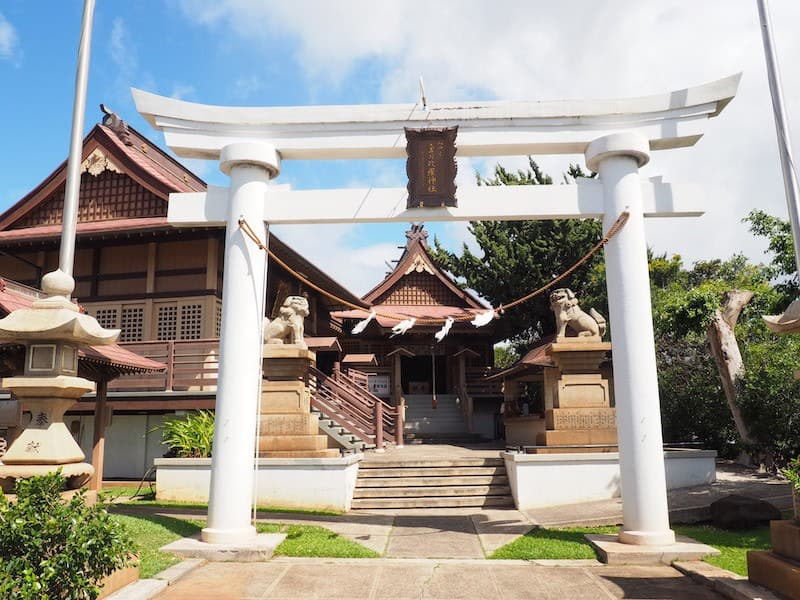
x: 520, y: 256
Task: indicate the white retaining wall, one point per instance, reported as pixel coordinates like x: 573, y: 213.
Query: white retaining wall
x: 309, y: 483
x: 539, y: 480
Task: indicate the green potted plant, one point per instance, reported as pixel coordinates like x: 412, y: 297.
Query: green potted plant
x: 792, y: 473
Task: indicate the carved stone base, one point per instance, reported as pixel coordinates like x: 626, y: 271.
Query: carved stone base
x: 573, y: 437
x: 287, y: 427
x: 76, y: 474
x: 46, y: 439
x: 779, y: 570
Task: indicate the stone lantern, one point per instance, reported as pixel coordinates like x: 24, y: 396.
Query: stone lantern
x: 52, y: 330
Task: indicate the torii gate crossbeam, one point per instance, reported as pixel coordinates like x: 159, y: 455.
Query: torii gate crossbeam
x: 616, y: 137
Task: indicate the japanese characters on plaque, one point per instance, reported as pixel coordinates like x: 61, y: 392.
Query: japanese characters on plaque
x: 431, y: 167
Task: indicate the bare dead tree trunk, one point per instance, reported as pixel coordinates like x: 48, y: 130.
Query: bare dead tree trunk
x: 727, y: 356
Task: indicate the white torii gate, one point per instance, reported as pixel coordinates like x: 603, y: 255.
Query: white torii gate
x: 616, y: 137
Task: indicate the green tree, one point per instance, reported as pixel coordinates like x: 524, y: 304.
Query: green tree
x: 520, y: 256
x: 779, y: 236
x: 687, y: 303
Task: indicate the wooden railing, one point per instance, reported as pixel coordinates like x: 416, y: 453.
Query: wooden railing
x: 359, y: 378
x: 351, y: 406
x: 192, y: 365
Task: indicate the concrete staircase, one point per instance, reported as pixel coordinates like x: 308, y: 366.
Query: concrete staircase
x: 431, y: 483
x: 422, y: 418
x: 349, y: 442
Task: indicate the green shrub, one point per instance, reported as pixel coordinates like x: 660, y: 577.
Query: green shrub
x: 792, y: 473
x: 189, y: 436
x: 52, y: 548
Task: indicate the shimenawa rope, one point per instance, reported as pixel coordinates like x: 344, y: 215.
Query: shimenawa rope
x: 613, y: 230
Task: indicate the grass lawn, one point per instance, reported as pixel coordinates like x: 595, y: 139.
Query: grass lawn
x: 733, y: 545
x: 150, y: 532
x: 570, y: 544
x: 541, y: 543
x: 312, y: 540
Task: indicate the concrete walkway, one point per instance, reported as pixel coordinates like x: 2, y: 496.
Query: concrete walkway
x: 398, y: 579
x: 446, y: 533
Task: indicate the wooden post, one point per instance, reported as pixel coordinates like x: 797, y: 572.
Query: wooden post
x: 99, y: 438
x: 378, y: 413
x: 397, y: 385
x: 400, y: 422
x: 337, y: 367
x: 170, y: 365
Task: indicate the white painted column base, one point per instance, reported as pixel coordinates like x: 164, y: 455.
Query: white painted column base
x: 645, y: 515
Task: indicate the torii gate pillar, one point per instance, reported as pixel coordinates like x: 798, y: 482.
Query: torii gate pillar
x: 250, y: 166
x: 617, y: 158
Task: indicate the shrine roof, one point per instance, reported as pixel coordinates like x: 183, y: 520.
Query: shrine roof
x: 116, y: 146
x: 45, y: 232
x: 416, y: 259
x: 533, y: 358
x: 322, y: 344
x: 302, y: 266
x: 360, y: 359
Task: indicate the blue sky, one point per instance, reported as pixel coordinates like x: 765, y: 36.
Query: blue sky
x: 249, y: 52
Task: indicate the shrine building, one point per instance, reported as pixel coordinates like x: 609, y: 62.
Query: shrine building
x: 162, y: 287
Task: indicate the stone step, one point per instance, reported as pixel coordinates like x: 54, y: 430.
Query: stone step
x: 431, y: 492
x: 374, y: 462
x: 384, y: 482
x: 398, y: 472
x: 442, y: 502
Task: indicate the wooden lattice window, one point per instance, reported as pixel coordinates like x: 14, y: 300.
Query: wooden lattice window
x: 132, y: 324
x: 218, y: 318
x: 179, y: 321
x: 107, y: 317
x: 106, y: 197
x: 167, y: 322
x: 419, y: 289
x: 191, y: 321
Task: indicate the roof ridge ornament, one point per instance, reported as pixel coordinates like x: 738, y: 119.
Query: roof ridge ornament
x: 115, y: 123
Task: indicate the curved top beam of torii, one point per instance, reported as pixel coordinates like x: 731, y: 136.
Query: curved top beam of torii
x: 672, y: 120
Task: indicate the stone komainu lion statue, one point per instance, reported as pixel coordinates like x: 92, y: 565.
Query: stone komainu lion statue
x: 287, y: 327
x: 568, y: 314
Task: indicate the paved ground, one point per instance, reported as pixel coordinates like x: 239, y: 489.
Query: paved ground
x: 477, y: 533
x: 439, y: 553
x: 331, y: 579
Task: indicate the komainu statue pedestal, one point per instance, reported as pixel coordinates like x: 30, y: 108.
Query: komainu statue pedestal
x: 579, y: 412
x: 287, y: 427
x: 779, y: 568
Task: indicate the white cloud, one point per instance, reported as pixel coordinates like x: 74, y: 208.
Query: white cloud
x: 180, y: 91
x: 247, y: 85
x: 122, y: 53
x: 510, y: 49
x: 9, y: 41
x: 330, y: 247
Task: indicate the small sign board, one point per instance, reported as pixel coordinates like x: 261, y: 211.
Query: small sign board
x: 378, y: 385
x: 431, y: 166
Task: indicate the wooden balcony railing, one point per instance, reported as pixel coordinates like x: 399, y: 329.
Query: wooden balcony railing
x: 192, y: 366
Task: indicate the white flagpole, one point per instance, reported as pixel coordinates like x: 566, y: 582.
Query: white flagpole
x: 782, y: 128
x: 70, y: 218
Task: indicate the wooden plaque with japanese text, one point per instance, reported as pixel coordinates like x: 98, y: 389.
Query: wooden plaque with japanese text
x: 431, y: 167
